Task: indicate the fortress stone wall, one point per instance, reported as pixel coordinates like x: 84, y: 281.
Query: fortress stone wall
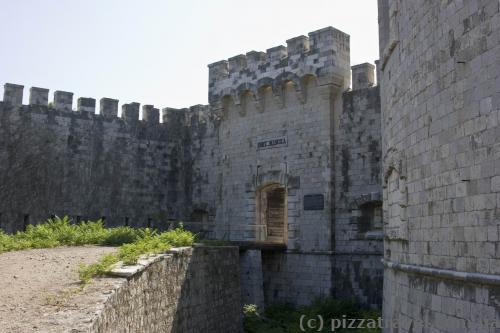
x: 285, y: 162
x: 440, y: 95
x: 358, y: 196
x: 57, y: 161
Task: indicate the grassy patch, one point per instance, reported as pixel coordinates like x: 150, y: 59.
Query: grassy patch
x: 284, y: 318
x: 151, y: 243
x: 59, y: 231
x: 133, y: 242
x: 87, y: 272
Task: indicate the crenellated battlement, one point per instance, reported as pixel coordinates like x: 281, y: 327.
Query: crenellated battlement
x: 123, y: 169
x: 117, y: 166
x: 323, y: 54
x: 108, y: 107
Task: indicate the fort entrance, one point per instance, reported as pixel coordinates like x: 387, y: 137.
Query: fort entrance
x: 271, y: 213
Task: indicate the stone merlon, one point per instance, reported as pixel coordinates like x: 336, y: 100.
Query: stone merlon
x: 363, y: 76
x: 86, y: 104
x: 109, y: 107
x: 130, y: 112
x: 13, y: 94
x: 39, y: 96
x: 150, y: 114
x: 63, y: 100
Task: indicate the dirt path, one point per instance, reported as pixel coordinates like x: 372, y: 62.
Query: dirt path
x: 36, y: 286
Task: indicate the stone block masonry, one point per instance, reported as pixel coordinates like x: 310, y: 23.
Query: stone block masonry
x: 251, y: 278
x: 56, y: 161
x: 324, y: 54
x: 297, y: 278
x: 287, y: 96
x: 299, y: 165
x: 277, y: 117
x: 440, y: 96
x: 187, y: 291
x: 358, y: 197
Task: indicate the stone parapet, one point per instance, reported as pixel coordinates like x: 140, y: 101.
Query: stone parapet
x: 324, y: 54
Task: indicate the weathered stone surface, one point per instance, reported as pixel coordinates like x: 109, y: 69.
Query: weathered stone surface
x: 13, y: 94
x: 358, y: 197
x: 87, y: 166
x: 109, y: 107
x: 439, y: 93
x: 39, y: 96
x: 86, y: 105
x: 277, y: 128
x: 324, y: 54
x: 363, y: 76
x: 63, y: 100
x: 150, y: 114
x: 251, y: 278
x: 188, y: 290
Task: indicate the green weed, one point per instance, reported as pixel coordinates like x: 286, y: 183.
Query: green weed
x: 59, y: 232
x: 132, y: 242
x: 284, y: 318
x: 100, y: 268
x: 148, y: 243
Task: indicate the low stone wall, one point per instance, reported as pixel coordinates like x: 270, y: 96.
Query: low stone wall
x: 187, y: 290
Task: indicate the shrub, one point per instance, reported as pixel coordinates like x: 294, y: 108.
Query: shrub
x: 178, y: 237
x: 90, y: 233
x: 250, y: 310
x: 284, y: 318
x: 59, y: 231
x: 122, y: 235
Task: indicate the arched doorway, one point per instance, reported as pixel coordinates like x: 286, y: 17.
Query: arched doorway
x: 272, y: 213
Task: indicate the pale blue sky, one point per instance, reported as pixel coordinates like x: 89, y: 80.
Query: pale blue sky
x: 157, y: 51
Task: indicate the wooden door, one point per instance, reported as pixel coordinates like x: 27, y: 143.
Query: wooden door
x: 275, y: 215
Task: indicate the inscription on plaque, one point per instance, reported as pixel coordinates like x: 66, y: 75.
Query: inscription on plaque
x: 314, y: 202
x: 272, y: 143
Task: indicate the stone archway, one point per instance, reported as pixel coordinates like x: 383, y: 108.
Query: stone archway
x: 272, y: 213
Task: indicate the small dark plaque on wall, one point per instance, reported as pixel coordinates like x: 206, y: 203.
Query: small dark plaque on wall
x: 314, y: 202
x: 272, y: 143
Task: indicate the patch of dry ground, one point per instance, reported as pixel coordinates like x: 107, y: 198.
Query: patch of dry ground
x: 40, y: 290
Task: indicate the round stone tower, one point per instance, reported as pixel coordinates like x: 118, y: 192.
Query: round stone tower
x: 440, y: 93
